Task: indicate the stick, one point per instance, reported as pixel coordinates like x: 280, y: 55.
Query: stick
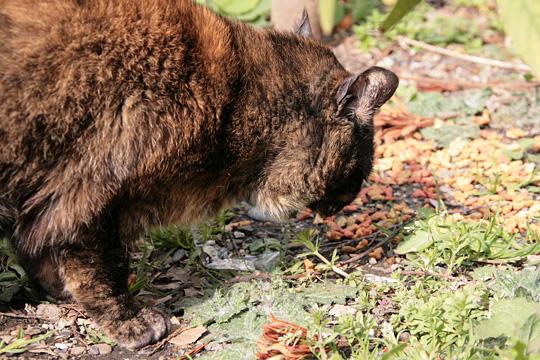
x: 334, y: 268
x: 19, y: 316
x: 420, y: 273
x: 470, y: 58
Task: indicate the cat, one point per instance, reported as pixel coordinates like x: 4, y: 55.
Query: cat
x: 117, y: 116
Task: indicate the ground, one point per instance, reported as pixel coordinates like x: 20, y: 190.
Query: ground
x: 435, y: 259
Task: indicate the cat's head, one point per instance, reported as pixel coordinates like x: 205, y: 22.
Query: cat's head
x: 325, y: 150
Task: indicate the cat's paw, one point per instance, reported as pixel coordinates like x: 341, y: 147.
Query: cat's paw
x: 147, y: 327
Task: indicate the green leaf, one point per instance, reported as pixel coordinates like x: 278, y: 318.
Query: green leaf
x: 329, y: 293
x: 236, y: 7
x: 418, y: 241
x: 402, y: 8
x: 521, y: 21
x: 261, y: 10
x: 396, y: 350
x: 507, y: 319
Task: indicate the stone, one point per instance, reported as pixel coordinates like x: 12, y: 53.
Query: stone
x: 93, y: 350
x: 104, y: 349
x: 61, y: 346
x: 78, y: 350
x: 48, y: 312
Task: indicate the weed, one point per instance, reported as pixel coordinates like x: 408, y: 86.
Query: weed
x: 437, y: 240
x: 309, y: 239
x: 421, y: 24
x: 19, y: 345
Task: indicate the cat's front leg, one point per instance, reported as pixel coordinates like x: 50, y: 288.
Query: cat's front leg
x: 97, y: 279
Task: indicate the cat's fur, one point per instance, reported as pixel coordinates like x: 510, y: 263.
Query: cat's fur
x: 119, y: 115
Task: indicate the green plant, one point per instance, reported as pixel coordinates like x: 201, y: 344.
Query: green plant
x: 255, y: 12
x: 332, y: 12
x: 358, y: 330
x: 436, y: 239
x: 95, y: 336
x: 13, y: 279
x: 423, y: 25
x: 19, y: 345
x: 309, y: 239
x: 171, y: 237
x: 440, y: 320
x: 520, y: 19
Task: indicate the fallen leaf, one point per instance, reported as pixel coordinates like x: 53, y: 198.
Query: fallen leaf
x: 188, y: 336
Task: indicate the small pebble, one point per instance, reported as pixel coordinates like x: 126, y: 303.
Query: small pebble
x: 77, y: 350
x: 61, y: 346
x: 93, y: 350
x: 179, y: 255
x: 175, y: 321
x: 239, y: 234
x: 372, y: 261
x: 104, y: 348
x: 65, y: 333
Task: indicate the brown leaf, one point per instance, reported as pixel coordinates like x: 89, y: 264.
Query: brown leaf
x: 276, y: 341
x: 188, y: 336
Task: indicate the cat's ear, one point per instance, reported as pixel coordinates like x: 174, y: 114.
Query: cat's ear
x: 363, y: 94
x: 304, y: 28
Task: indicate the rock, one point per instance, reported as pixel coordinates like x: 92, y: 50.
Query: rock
x: 48, y: 312
x: 61, y: 346
x: 174, y: 321
x: 65, y: 333
x: 77, y: 350
x: 99, y: 349
x: 104, y: 348
x: 179, y: 255
x: 239, y: 234
x: 32, y: 331
x: 93, y: 350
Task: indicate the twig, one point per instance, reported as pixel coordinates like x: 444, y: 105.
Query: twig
x: 19, y: 316
x: 194, y: 351
x: 334, y: 268
x: 74, y: 308
x: 470, y: 58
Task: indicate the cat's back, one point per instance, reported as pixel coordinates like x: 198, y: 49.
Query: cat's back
x: 71, y: 67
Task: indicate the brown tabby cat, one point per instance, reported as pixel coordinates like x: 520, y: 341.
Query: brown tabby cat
x: 119, y: 115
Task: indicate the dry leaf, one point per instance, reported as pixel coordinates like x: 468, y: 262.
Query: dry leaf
x: 188, y: 336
